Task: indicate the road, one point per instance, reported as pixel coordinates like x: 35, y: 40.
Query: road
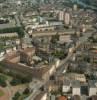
x: 36, y: 91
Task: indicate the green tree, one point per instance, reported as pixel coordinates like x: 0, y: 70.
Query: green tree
x: 19, y: 30
x: 26, y: 91
x: 55, y: 38
x: 15, y: 82
x: 16, y: 96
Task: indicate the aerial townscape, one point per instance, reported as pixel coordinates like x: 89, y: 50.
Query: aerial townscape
x: 48, y: 49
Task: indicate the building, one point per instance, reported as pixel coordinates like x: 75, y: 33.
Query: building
x: 92, y: 88
x: 76, y: 97
x: 26, y: 55
x: 66, y: 86
x: 75, y: 76
x: 75, y: 7
x: 21, y: 62
x: 52, y: 97
x: 8, y: 35
x: 61, y: 15
x: 76, y: 89
x: 67, y: 18
x: 94, y: 97
x: 53, y: 86
x: 41, y: 73
x: 62, y: 98
x: 65, y: 38
x: 17, y: 41
x: 12, y: 62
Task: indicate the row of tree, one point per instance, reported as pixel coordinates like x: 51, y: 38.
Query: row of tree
x: 19, y: 30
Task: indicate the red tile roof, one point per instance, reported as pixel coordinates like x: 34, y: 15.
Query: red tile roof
x: 62, y: 98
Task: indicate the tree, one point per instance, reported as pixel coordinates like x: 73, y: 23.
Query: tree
x: 87, y: 59
x: 26, y: 80
x: 15, y: 81
x: 3, y: 81
x: 16, y: 96
x: 55, y: 38
x: 19, y: 30
x: 26, y: 91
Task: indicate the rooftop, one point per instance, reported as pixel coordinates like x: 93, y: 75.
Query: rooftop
x: 75, y: 84
x: 62, y: 98
x: 92, y: 84
x: 27, y: 50
x: 66, y: 82
x: 94, y: 97
x: 39, y: 72
x: 76, y: 97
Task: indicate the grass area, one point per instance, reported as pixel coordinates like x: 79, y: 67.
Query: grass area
x: 1, y: 93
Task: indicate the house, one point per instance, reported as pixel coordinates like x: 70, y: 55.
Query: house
x: 66, y: 86
x: 62, y: 98
x: 76, y: 89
